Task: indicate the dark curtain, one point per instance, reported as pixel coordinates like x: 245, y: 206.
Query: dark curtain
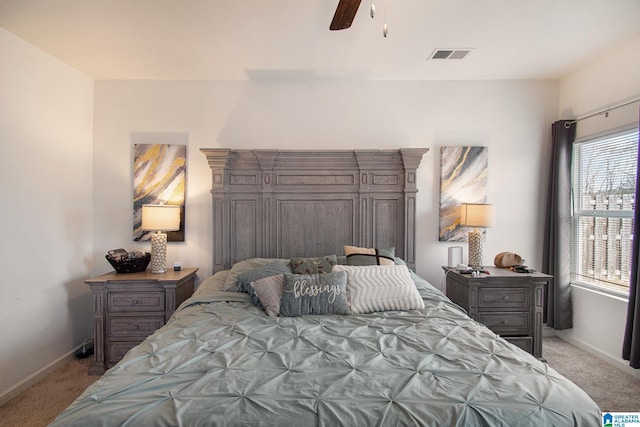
x: 557, y: 236
x: 631, y: 343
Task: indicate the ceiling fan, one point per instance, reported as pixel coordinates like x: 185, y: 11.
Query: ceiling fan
x: 344, y: 15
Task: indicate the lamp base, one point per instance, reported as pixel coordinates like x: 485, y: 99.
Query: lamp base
x: 475, y: 249
x: 158, y: 262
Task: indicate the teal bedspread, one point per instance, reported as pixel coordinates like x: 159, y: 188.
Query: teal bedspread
x: 222, y: 361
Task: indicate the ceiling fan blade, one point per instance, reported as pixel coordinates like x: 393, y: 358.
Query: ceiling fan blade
x: 344, y: 15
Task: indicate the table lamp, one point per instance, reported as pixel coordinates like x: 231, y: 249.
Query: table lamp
x: 476, y: 215
x: 159, y: 218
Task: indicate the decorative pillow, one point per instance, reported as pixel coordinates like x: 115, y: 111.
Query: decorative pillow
x: 399, y: 261
x: 380, y: 288
x: 232, y: 284
x: 369, y: 256
x: 318, y: 265
x: 212, y: 283
x: 314, y: 294
x: 271, y: 269
x: 269, y: 291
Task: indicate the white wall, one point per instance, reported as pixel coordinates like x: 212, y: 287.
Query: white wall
x: 512, y: 118
x: 78, y: 196
x: 612, y: 79
x: 46, y: 119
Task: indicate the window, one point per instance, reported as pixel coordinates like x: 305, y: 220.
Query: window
x: 604, y: 180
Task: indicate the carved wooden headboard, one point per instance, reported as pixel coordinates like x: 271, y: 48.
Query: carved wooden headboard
x: 304, y: 203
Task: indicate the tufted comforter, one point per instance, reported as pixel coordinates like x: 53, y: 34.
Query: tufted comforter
x: 222, y: 361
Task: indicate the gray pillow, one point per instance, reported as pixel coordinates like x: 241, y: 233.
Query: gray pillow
x: 245, y: 278
x: 231, y: 283
x: 269, y: 290
x: 314, y: 294
x: 317, y: 265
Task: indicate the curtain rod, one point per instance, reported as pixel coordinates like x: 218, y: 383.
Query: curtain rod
x: 605, y: 112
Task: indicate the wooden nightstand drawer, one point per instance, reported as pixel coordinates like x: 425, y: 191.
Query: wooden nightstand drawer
x: 510, y: 304
x: 503, y: 298
x: 120, y: 327
x: 525, y: 343
x: 136, y: 301
x: 506, y: 323
x: 129, y: 307
x: 117, y: 350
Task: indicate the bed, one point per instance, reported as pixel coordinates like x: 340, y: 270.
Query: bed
x: 325, y: 326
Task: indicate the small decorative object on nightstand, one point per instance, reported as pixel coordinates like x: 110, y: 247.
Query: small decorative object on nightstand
x: 129, y: 307
x: 509, y: 303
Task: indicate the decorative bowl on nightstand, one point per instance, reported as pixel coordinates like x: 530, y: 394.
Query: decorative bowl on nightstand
x: 133, y: 262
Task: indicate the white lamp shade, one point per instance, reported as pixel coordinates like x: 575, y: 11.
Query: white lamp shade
x: 476, y: 215
x: 161, y: 217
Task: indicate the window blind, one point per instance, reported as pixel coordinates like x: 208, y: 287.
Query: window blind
x: 604, y: 178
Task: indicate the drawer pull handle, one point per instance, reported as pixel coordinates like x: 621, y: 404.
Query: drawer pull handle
x: 136, y: 302
x: 136, y: 327
x: 505, y: 298
x: 505, y: 322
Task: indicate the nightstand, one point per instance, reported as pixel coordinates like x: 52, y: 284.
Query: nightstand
x: 129, y: 307
x: 509, y: 303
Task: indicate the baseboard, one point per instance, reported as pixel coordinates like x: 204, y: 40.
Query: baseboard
x: 618, y: 363
x: 36, y: 376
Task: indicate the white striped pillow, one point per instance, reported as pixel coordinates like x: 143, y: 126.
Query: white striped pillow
x: 380, y: 288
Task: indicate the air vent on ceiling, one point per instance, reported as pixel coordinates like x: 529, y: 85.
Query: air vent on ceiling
x: 450, y: 53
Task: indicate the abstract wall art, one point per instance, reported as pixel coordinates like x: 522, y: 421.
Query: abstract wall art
x: 159, y: 177
x: 463, y: 179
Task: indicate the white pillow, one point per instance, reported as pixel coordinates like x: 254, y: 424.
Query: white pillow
x: 380, y: 288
